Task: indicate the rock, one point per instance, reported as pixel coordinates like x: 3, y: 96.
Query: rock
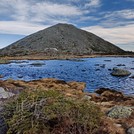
x: 107, y: 60
x: 130, y: 130
x: 87, y: 97
x: 20, y: 76
x: 37, y: 64
x: 121, y: 65
x: 132, y: 77
x: 120, y: 72
x: 120, y: 112
x: 97, y: 69
x: 97, y: 64
x: 102, y: 66
x: 76, y: 60
x: 117, y: 125
x: 83, y: 70
x: 4, y: 94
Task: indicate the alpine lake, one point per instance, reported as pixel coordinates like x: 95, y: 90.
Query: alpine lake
x: 95, y: 72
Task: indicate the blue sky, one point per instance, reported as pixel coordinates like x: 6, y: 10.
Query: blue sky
x: 112, y: 20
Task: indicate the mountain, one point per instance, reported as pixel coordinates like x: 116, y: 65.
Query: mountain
x: 61, y: 39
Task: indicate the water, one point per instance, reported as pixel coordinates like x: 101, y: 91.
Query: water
x: 94, y: 71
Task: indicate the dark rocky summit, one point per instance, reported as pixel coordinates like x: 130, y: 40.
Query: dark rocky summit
x: 61, y: 39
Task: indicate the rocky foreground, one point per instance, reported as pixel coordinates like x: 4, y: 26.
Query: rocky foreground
x: 55, y: 107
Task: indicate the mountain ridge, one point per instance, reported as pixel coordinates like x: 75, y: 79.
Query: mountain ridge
x: 61, y: 39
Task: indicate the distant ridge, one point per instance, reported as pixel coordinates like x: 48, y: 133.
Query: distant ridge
x: 63, y: 39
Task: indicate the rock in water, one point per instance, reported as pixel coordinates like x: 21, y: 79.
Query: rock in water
x: 63, y: 39
x: 120, y: 72
x: 120, y: 112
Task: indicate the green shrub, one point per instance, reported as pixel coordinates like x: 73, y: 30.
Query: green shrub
x: 50, y: 112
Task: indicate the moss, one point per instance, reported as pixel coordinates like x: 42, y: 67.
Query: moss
x: 44, y: 112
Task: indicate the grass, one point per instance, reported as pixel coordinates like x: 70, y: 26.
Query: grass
x: 50, y: 112
x: 3, y: 61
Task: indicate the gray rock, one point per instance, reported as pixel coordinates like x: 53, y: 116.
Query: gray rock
x: 120, y: 112
x: 130, y: 130
x: 37, y: 64
x: 120, y: 72
x: 132, y: 77
x: 87, y: 97
x: 121, y: 65
x: 4, y: 94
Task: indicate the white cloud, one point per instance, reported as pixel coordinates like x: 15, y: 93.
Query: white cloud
x: 51, y: 13
x: 93, y: 3
x: 24, y: 10
x: 116, y: 35
x: 125, y: 14
x: 51, y: 9
x: 20, y: 28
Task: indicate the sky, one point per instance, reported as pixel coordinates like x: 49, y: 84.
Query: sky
x: 113, y: 20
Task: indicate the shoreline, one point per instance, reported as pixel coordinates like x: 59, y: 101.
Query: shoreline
x: 63, y: 57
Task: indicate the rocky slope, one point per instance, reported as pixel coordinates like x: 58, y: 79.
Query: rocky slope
x: 61, y: 39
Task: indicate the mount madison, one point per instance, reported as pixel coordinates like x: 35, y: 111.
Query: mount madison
x: 61, y: 39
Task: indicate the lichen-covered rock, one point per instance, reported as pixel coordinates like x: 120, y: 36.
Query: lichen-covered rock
x: 120, y: 112
x: 120, y: 72
x: 130, y: 130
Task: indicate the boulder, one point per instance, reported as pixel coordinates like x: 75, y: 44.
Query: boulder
x: 130, y: 130
x: 120, y: 72
x: 119, y: 112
